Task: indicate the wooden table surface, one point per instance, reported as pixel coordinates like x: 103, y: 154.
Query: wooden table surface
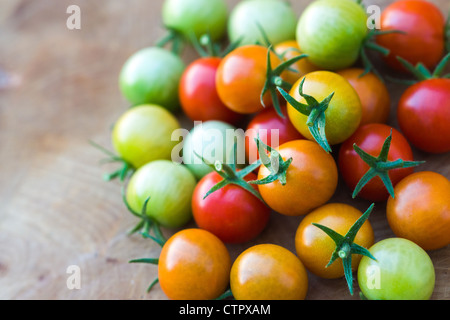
x: 58, y: 90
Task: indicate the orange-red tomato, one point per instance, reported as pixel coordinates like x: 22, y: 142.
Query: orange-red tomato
x: 314, y: 247
x: 194, y: 265
x: 311, y: 179
x: 241, y: 76
x: 420, y: 211
x: 268, y: 272
x: 290, y: 49
x: 373, y: 93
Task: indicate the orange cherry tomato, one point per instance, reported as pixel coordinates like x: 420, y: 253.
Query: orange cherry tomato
x: 241, y: 76
x: 311, y: 179
x: 314, y: 247
x: 373, y: 93
x: 290, y: 49
x: 420, y: 211
x: 268, y: 272
x: 194, y: 265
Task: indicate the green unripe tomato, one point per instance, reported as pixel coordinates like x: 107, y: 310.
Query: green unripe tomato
x: 402, y: 271
x: 277, y: 19
x: 152, y: 75
x: 196, y: 16
x: 169, y: 186
x: 214, y: 140
x: 144, y: 133
x: 331, y: 33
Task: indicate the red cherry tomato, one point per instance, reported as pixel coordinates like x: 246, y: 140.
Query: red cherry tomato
x: 231, y: 213
x: 198, y: 95
x: 423, y: 115
x: 273, y: 130
x: 422, y: 40
x: 371, y: 138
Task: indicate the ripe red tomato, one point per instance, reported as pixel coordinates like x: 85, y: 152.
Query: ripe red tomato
x: 241, y: 77
x: 198, y: 95
x: 194, y: 265
x: 422, y: 40
x: 373, y: 93
x: 231, y: 213
x: 371, y: 138
x: 420, y: 211
x: 272, y: 129
x: 423, y: 115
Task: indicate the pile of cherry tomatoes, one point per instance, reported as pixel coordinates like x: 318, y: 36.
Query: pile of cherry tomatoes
x: 283, y: 105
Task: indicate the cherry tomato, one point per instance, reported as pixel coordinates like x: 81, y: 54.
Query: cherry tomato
x: 231, y: 213
x: 276, y: 18
x: 194, y: 265
x: 371, y: 138
x: 423, y: 115
x: 268, y: 272
x: 420, y: 211
x: 170, y: 187
x: 311, y: 179
x: 196, y: 17
x: 344, y: 111
x: 272, y: 130
x: 373, y: 93
x: 402, y: 271
x: 422, y: 38
x: 314, y: 247
x: 241, y: 77
x: 289, y: 49
x: 331, y: 33
x: 144, y: 133
x: 152, y: 75
x: 198, y: 94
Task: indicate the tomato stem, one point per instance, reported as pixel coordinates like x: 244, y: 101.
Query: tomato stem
x: 315, y: 111
x: 380, y: 166
x: 345, y: 246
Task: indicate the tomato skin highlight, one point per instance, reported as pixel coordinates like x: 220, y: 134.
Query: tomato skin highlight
x: 268, y: 272
x: 420, y: 211
x: 241, y: 77
x: 232, y: 213
x: 423, y: 115
x: 311, y: 179
x: 373, y: 93
x: 198, y: 94
x: 194, y: 265
x: 422, y: 40
x: 402, y: 271
x: 370, y: 138
x: 314, y: 247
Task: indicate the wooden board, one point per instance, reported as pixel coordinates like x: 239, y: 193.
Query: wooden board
x: 55, y: 209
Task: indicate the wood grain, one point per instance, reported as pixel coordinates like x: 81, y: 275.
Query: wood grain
x: 55, y: 210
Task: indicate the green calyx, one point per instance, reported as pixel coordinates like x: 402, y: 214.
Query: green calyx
x: 206, y: 47
x: 421, y: 72
x: 273, y: 162
x: 175, y: 39
x: 125, y: 170
x: 345, y: 246
x: 274, y: 80
x: 231, y: 175
x: 315, y: 111
x: 380, y: 166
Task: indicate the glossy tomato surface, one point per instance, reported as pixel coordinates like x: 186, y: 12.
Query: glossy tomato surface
x: 371, y: 138
x: 231, y: 213
x: 268, y: 272
x: 314, y: 247
x: 311, y: 179
x: 423, y: 115
x: 420, y: 210
x: 194, y: 265
x: 422, y: 33
x: 198, y: 94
